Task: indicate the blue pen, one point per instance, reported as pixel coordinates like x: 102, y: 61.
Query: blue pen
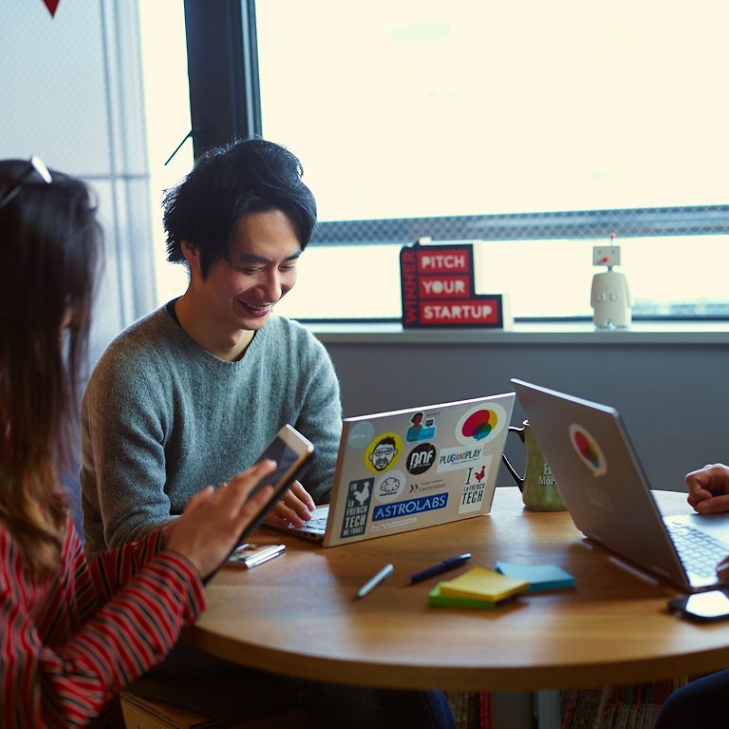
x: 437, y: 569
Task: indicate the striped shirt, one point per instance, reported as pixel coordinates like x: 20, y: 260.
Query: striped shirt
x: 70, y: 643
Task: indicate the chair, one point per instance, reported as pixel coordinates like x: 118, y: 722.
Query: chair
x: 212, y: 707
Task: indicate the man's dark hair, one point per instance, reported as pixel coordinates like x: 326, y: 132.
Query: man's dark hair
x: 228, y: 183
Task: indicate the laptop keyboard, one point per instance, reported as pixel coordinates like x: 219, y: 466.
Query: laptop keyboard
x: 699, y: 552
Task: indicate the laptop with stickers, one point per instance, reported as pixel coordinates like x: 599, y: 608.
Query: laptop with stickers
x: 607, y: 493
x: 414, y: 468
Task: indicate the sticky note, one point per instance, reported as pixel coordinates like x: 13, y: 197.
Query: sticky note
x: 539, y: 576
x: 482, y: 584
x: 436, y: 598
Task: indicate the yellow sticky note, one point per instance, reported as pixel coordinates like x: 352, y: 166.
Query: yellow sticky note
x: 481, y: 584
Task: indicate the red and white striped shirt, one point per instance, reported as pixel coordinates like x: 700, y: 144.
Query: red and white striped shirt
x: 69, y: 644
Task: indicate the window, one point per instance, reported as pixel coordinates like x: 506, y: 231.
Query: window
x: 537, y: 128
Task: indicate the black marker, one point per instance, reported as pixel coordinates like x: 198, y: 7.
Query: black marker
x: 448, y: 564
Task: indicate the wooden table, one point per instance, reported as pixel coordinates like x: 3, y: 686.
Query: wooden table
x: 297, y: 614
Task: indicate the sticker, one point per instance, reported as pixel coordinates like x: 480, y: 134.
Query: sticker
x: 451, y: 459
x: 410, y: 507
x: 420, y: 458
x: 588, y: 450
x: 481, y: 424
x: 421, y: 428
x: 360, y: 434
x: 383, y: 452
x: 474, y: 487
x: 357, y: 507
x: 424, y: 488
x: 390, y: 486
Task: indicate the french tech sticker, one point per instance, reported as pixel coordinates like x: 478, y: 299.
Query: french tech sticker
x: 473, y: 488
x: 390, y: 485
x: 452, y: 459
x: 383, y: 452
x: 481, y: 423
x: 420, y: 458
x: 357, y: 506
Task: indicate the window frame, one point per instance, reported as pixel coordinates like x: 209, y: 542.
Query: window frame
x: 225, y: 106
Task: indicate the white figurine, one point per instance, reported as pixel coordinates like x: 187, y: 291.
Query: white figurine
x: 610, y: 297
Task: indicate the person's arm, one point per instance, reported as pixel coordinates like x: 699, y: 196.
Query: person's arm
x: 91, y: 646
x: 708, y: 488
x: 123, y: 470
x: 320, y: 420
x: 67, y: 683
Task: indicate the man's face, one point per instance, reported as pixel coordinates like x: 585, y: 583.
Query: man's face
x: 382, y: 455
x: 240, y: 294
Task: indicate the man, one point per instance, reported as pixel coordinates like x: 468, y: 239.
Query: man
x: 193, y: 393
x: 705, y: 700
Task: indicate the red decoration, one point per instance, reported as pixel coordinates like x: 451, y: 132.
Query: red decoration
x: 52, y: 6
x: 438, y: 289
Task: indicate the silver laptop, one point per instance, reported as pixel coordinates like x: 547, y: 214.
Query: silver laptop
x: 413, y: 468
x: 607, y: 493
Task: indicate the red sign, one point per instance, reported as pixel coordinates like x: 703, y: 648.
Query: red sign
x: 438, y: 289
x: 52, y: 6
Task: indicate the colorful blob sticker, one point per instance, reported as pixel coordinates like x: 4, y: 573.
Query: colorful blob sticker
x: 481, y: 424
x: 588, y: 450
x: 383, y: 452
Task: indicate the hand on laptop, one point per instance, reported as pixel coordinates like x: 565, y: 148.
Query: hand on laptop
x: 708, y: 488
x: 295, y: 507
x: 213, y: 519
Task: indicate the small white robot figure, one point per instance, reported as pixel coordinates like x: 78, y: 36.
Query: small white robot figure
x: 610, y: 297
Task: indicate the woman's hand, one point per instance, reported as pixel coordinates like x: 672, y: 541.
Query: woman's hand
x: 213, y: 519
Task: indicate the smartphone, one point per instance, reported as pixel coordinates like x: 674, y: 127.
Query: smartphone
x: 250, y: 555
x: 703, y: 606
x: 292, y: 453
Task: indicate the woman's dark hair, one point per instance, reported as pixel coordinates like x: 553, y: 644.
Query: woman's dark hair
x: 228, y: 183
x: 50, y: 242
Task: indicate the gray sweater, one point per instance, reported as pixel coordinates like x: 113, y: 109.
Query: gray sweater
x: 162, y: 418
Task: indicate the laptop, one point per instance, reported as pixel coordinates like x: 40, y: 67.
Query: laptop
x: 607, y: 493
x: 411, y: 469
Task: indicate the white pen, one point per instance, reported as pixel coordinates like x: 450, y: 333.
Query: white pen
x: 384, y: 573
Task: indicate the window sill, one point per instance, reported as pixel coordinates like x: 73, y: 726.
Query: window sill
x: 582, y: 333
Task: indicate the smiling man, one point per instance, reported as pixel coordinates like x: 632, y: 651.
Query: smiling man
x: 191, y: 395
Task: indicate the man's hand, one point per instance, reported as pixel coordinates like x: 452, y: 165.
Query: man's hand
x: 294, y: 508
x: 213, y: 520
x: 708, y: 489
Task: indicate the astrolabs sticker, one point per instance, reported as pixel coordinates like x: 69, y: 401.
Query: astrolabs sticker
x: 411, y: 507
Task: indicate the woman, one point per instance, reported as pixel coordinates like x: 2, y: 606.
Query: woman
x: 72, y: 634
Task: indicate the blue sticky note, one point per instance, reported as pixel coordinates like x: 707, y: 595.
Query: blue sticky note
x: 539, y: 576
